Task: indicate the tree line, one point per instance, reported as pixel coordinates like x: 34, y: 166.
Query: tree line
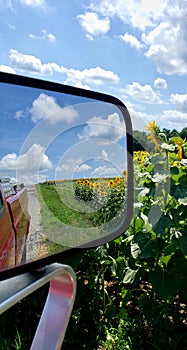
x: 142, y: 142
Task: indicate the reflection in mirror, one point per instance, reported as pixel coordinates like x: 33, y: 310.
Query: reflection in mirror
x: 63, y: 171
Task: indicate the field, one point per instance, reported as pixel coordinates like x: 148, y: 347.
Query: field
x: 74, y: 212
x: 132, y: 292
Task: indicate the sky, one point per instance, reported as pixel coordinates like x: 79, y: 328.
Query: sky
x: 135, y: 50
x: 47, y: 135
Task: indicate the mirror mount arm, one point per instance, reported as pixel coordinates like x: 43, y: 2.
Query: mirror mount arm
x: 58, y: 306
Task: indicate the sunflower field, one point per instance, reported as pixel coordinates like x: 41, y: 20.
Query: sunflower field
x: 137, y: 284
x: 108, y: 196
x: 131, y: 292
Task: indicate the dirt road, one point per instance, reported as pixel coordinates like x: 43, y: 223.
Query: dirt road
x: 34, y: 239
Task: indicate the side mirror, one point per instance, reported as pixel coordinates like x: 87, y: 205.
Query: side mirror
x: 66, y: 179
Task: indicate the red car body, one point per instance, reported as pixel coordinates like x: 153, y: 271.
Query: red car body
x: 14, y: 226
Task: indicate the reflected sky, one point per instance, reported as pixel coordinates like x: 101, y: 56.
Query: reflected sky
x: 50, y: 135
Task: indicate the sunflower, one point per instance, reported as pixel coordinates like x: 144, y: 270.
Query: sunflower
x: 111, y: 183
x: 118, y: 179
x: 154, y: 130
x: 124, y: 173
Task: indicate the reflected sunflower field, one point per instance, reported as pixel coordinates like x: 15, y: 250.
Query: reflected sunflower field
x: 107, y: 196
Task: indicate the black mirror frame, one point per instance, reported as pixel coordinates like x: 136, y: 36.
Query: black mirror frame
x: 57, y: 87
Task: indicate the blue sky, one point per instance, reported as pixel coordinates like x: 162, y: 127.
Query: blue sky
x: 50, y: 135
x: 135, y: 50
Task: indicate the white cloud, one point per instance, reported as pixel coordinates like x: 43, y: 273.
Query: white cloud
x: 34, y: 179
x: 138, y: 115
x: 7, y: 69
x: 104, y: 155
x: 105, y: 171
x: 83, y: 79
x: 21, y: 114
x: 143, y: 93
x: 33, y: 36
x: 139, y: 119
x: 131, y: 40
x: 46, y: 35
x: 110, y: 129
x: 69, y: 165
x: 33, y: 3
x: 168, y: 40
x: 8, y: 4
x: 167, y: 49
x: 180, y: 100
x: 11, y: 26
x: 160, y: 83
x: 174, y: 119
x: 168, y: 118
x: 89, y: 37
x: 51, y: 37
x: 34, y: 160
x: 46, y: 107
x: 96, y: 76
x: 29, y: 63
x: 82, y: 167
x: 93, y: 25
x: 9, y: 162
x: 163, y: 26
x: 139, y: 14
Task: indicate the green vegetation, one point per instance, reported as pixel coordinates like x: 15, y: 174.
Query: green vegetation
x: 81, y: 210
x: 81, y: 203
x: 132, y: 292
x: 56, y: 204
x: 108, y: 195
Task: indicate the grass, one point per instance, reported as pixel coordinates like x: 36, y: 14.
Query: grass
x: 53, y: 200
x: 70, y: 221
x: 19, y: 323
x: 61, y: 224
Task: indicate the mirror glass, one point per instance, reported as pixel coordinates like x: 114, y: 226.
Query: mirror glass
x: 63, y: 171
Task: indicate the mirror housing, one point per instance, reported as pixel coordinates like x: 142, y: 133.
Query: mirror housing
x: 66, y: 171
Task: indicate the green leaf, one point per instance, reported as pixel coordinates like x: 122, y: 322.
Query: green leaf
x: 159, y: 177
x: 170, y: 249
x: 174, y: 170
x: 137, y: 225
x: 150, y: 249
x: 164, y: 283
x: 163, y: 223
x: 111, y: 312
x: 154, y: 215
x: 141, y: 238
x: 164, y: 259
x: 168, y: 147
x: 181, y: 242
x: 174, y: 213
x: 123, y: 314
x: 184, y: 162
x: 183, y: 201
x: 113, y: 266
x: 135, y: 250
x: 146, y: 247
x: 167, y: 283
x: 130, y: 276
x: 178, y: 191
